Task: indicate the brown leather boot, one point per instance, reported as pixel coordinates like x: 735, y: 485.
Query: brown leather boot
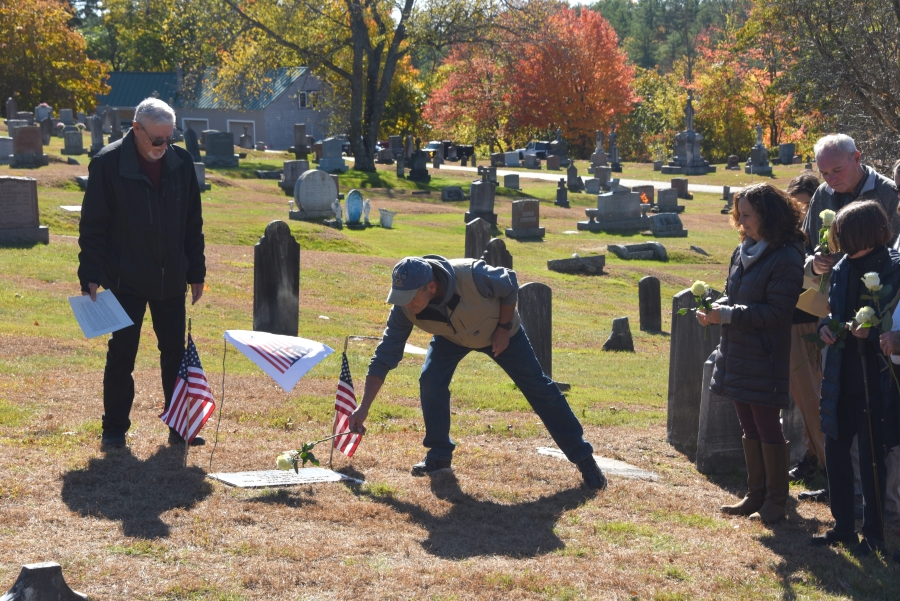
x: 756, y: 481
x: 777, y: 462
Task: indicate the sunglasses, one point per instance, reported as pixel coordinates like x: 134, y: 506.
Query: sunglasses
x: 158, y: 141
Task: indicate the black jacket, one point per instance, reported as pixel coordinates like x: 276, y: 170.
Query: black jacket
x: 134, y: 238
x: 753, y: 358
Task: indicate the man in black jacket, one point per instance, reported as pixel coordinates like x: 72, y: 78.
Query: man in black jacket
x: 141, y: 237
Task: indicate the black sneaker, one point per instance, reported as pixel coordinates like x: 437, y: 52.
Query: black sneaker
x: 111, y: 440
x: 819, y: 496
x: 176, y: 439
x: 832, y: 538
x: 805, y: 470
x: 429, y: 465
x: 590, y: 471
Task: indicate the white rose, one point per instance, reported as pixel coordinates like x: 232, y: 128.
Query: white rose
x: 872, y: 281
x: 827, y: 217
x: 864, y: 315
x: 699, y: 288
x: 284, y: 461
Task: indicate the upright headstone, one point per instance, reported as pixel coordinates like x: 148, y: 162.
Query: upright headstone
x: 481, y: 200
x: 276, y: 281
x: 511, y: 181
x: 418, y: 166
x: 646, y: 191
x: 603, y: 174
x: 496, y: 254
x: 354, y: 204
x: 74, y: 143
x: 686, y: 158
x: 719, y: 433
x: 689, y: 346
x: 332, y: 159
x: 620, y: 338
x: 614, y: 163
x: 786, y: 153
x: 300, y: 147
x: 46, y: 125
x: 511, y: 159
x: 536, y: 314
x: 410, y: 147
x: 246, y: 140
x: 401, y: 166
x: 667, y: 225
x: 532, y: 161
x: 553, y: 163
x: 573, y: 181
x: 220, y: 150
x: 192, y: 144
x: 619, y: 210
x: 526, y: 220
x: 667, y: 202
x: 13, y: 125
x: 28, y: 148
x: 559, y: 148
x: 649, y: 304
x: 599, y: 158
x: 291, y: 172
x: 478, y: 234
x: 200, y: 171
x: 12, y: 108
x: 681, y: 185
x: 314, y: 192
x: 437, y: 160
x: 26, y: 116
x: 95, y: 123
x: 115, y: 124
x: 42, y: 582
x: 66, y: 116
x: 592, y: 186
x: 734, y: 163
x: 19, y: 218
x: 562, y: 195
x: 6, y: 150
x: 758, y: 163
x: 395, y: 145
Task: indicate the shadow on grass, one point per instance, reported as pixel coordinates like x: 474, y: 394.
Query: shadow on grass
x: 121, y: 487
x: 474, y: 527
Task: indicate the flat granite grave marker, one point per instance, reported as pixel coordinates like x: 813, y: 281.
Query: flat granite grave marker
x: 496, y: 254
x: 526, y: 220
x: 220, y: 150
x: 28, y: 149
x: 19, y: 217
x: 273, y: 478
x: 649, y: 304
x: 667, y: 225
x: 478, y: 234
x: 42, y: 581
x: 620, y: 338
x: 610, y: 467
x: 313, y: 194
x: 689, y: 347
x: 276, y: 281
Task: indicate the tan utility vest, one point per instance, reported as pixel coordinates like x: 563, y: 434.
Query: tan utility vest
x: 472, y: 318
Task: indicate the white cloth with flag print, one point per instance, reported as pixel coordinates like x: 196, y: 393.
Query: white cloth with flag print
x: 192, y: 402
x: 344, y: 405
x: 285, y: 358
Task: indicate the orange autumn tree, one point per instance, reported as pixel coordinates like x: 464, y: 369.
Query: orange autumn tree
x: 575, y: 78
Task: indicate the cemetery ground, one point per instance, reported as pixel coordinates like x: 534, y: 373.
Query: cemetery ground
x: 506, y: 524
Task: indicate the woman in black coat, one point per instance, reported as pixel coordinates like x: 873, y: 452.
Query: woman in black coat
x: 753, y: 359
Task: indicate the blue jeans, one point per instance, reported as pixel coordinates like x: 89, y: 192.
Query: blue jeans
x: 520, y: 364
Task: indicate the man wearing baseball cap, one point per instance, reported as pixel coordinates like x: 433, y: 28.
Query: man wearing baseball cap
x: 468, y: 306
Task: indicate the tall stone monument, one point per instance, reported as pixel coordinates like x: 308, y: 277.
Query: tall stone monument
x: 276, y: 281
x: 758, y: 163
x: 599, y: 158
x: 686, y: 153
x: 614, y: 164
x: 559, y: 148
x: 19, y: 217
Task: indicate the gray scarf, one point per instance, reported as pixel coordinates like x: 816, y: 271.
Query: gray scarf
x: 751, y: 251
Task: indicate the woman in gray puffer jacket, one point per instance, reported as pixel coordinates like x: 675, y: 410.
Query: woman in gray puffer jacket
x: 753, y: 359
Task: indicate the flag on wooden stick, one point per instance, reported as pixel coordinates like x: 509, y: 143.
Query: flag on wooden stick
x: 192, y: 403
x: 344, y: 405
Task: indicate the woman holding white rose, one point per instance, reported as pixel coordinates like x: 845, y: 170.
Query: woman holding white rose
x: 859, y: 397
x: 752, y: 362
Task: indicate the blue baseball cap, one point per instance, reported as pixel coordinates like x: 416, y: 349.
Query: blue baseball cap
x: 409, y: 275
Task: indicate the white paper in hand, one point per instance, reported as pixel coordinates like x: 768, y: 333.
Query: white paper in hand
x: 101, y: 317
x: 895, y: 359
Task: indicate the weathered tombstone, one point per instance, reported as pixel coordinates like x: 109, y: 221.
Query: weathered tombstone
x: 95, y: 124
x: 667, y: 225
x: 19, y: 218
x: 192, y: 144
x: 464, y: 161
x: 246, y: 140
x: 497, y: 159
x: 410, y: 147
x: 395, y: 145
x: 490, y: 172
x: 292, y: 170
x: 667, y: 201
x: 657, y: 165
x: 573, y: 181
x: 511, y: 159
x: 200, y: 170
x: 719, y: 433
x: 536, y: 315
x: 115, y: 125
x: 437, y: 160
x: 385, y: 156
x: 276, y: 281
x: 220, y: 150
x: 526, y: 220
x: 481, y: 200
x: 12, y: 108
x: 13, y: 125
x: 452, y: 194
x: 42, y: 582
x: 619, y: 210
x: 758, y: 163
x: 354, y: 203
x: 646, y: 191
x: 74, y: 143
x: 300, y: 147
x: 591, y: 265
x: 6, y: 150
x: 46, y: 125
x: 689, y: 346
x: 559, y: 148
x: 649, y: 304
x: 26, y: 116
x: 401, y: 164
x: 496, y: 254
x: 81, y: 118
x: 28, y: 148
x: 562, y: 194
x: 644, y: 250
x: 314, y: 192
x: 418, y: 166
x: 620, y: 338
x: 599, y: 158
x: 532, y: 161
x: 511, y: 181
x: 332, y: 159
x: 603, y: 175
x: 681, y: 185
x: 592, y: 185
x: 734, y: 163
x: 786, y: 153
x: 478, y: 234
x: 66, y: 116
x: 553, y: 163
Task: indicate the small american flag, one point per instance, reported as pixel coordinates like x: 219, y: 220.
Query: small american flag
x: 192, y: 403
x: 280, y: 355
x: 344, y: 405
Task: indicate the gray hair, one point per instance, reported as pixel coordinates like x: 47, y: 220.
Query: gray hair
x: 840, y: 142
x: 155, y: 112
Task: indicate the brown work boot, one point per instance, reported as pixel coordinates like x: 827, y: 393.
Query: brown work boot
x: 756, y: 481
x: 777, y: 461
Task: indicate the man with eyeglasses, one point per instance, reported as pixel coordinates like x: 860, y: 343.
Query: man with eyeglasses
x: 141, y: 237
